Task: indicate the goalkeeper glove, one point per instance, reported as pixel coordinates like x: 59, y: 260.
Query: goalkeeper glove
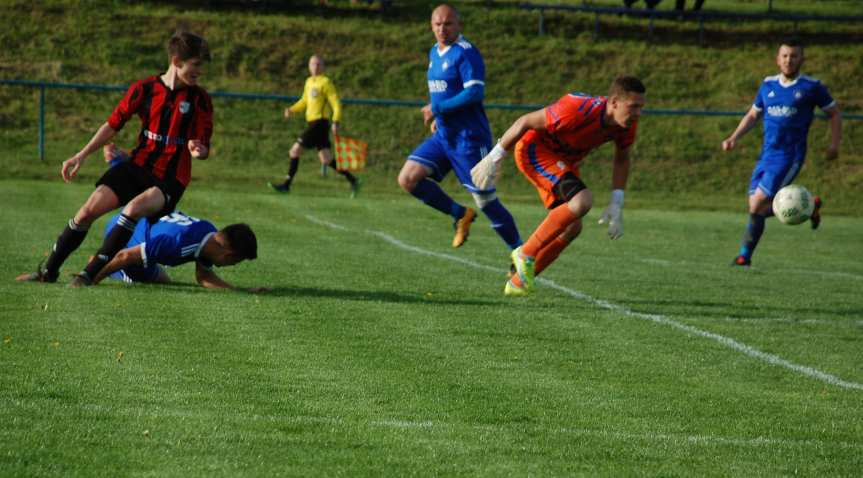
x: 486, y: 172
x: 613, y: 215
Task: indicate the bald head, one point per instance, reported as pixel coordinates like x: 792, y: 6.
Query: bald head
x: 316, y: 65
x: 445, y: 24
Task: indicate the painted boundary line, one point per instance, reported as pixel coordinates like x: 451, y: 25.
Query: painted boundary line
x: 603, y: 304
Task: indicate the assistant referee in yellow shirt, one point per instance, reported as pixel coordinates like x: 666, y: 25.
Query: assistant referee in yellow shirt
x: 321, y: 103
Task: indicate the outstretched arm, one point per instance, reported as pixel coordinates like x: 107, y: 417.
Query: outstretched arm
x: 484, y: 174
x: 72, y: 165
x: 747, y: 123
x: 620, y: 172
x: 209, y: 280
x: 835, y: 119
x: 532, y: 120
x: 613, y: 214
x: 131, y: 256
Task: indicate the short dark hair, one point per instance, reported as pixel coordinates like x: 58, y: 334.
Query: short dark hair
x: 623, y: 85
x: 242, y: 240
x: 793, y: 42
x: 187, y: 45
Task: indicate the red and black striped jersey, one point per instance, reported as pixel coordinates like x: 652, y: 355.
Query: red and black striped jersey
x: 169, y: 119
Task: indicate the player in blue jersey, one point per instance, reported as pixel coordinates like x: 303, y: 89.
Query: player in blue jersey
x: 788, y: 102
x: 461, y: 134
x: 176, y: 239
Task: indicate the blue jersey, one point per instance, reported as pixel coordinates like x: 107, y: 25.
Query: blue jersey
x: 458, y: 113
x: 175, y: 239
x: 788, y: 113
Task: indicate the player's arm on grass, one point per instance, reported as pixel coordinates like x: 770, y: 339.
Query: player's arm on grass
x: 72, y: 165
x: 131, y: 256
x: 750, y: 119
x: 835, y: 119
x: 209, y: 280
x: 485, y: 173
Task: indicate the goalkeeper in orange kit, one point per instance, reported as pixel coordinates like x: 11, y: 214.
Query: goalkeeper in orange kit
x: 549, y: 145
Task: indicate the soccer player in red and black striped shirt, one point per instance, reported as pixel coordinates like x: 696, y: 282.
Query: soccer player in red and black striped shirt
x: 176, y: 125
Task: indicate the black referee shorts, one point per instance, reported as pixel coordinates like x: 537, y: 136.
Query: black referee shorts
x: 316, y: 135
x: 128, y: 180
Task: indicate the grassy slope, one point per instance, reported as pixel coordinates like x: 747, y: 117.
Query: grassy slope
x: 677, y: 159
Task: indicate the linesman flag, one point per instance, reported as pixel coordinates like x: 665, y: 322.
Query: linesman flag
x: 350, y: 154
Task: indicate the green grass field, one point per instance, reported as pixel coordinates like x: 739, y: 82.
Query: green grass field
x: 382, y: 351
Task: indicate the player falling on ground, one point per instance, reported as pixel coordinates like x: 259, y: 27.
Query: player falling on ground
x: 320, y: 102
x: 178, y: 239
x: 788, y: 102
x: 462, y: 136
x: 549, y: 144
x: 176, y: 125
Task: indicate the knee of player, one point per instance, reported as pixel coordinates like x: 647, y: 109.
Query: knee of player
x: 483, y: 199
x: 296, y: 150
x: 581, y: 203
x: 85, y: 217
x: 147, y: 203
x: 407, y: 181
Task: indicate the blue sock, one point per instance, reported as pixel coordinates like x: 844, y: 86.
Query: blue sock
x: 502, y: 223
x: 430, y: 193
x: 753, y: 233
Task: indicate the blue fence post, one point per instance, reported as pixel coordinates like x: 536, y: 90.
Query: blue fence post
x: 42, y: 122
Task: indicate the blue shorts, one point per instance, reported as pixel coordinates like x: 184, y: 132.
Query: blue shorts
x: 771, y: 176
x: 442, y: 156
x: 137, y: 274
x: 132, y: 273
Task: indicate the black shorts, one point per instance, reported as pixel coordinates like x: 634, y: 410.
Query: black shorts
x: 566, y: 189
x: 128, y: 180
x: 316, y: 135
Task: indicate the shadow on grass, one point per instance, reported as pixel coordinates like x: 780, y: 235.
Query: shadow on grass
x: 341, y: 294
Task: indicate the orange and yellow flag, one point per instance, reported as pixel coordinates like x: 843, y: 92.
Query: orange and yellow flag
x: 350, y: 154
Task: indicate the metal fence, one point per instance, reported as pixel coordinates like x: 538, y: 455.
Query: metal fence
x: 42, y: 86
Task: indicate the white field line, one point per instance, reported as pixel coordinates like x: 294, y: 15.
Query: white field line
x: 656, y: 318
x: 789, y: 320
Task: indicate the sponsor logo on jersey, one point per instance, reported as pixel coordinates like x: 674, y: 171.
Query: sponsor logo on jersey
x: 437, y: 86
x: 781, y: 111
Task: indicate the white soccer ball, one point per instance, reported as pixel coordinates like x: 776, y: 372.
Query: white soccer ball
x: 793, y: 204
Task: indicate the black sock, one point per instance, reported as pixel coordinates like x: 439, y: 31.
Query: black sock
x: 292, y: 171
x: 70, y: 239
x: 113, y: 243
x: 347, y: 174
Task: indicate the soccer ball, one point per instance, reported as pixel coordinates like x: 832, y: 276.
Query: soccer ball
x: 793, y: 204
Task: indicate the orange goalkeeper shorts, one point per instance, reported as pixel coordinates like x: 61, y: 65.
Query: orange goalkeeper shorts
x: 543, y: 169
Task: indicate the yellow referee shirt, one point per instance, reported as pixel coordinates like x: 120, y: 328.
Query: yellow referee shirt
x: 320, y: 100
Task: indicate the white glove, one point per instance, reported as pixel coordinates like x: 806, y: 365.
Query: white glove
x: 486, y: 172
x: 613, y: 215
